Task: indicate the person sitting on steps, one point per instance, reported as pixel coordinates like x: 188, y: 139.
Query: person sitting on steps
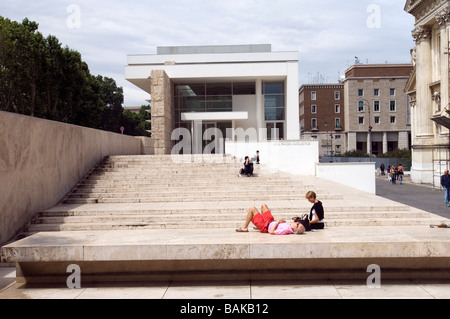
x: 248, y: 168
x: 266, y: 223
x: 317, y: 214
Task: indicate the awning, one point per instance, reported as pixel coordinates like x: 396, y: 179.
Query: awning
x: 442, y: 120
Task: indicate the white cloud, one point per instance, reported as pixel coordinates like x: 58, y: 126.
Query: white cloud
x: 328, y: 34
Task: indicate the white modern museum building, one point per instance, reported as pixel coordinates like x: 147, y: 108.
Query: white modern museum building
x: 245, y: 87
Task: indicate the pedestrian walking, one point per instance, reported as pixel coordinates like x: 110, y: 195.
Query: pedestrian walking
x: 400, y: 173
x: 393, y: 174
x: 445, y: 183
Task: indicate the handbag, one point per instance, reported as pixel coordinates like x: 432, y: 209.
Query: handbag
x: 304, y: 220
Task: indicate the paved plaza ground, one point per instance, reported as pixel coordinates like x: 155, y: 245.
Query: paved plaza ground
x: 423, y: 197
x: 307, y: 289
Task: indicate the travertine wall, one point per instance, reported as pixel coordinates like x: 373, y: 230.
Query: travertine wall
x: 41, y: 161
x: 162, y: 112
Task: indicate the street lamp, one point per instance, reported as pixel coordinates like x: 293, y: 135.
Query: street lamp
x: 369, y: 134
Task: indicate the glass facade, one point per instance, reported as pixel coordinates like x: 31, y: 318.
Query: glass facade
x: 207, y: 97
x: 274, y: 101
x: 218, y: 97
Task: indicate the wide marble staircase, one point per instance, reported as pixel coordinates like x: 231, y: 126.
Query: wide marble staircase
x: 173, y: 218
x: 154, y: 193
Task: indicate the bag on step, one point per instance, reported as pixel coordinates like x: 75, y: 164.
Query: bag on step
x: 304, y: 220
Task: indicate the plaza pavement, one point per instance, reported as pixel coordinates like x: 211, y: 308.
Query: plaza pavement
x: 423, y: 197
x: 250, y: 290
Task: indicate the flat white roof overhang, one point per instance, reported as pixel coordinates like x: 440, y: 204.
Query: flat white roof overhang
x: 214, y: 116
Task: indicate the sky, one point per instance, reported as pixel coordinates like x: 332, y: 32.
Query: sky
x: 328, y: 34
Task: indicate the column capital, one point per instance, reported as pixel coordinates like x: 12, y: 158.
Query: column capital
x: 421, y: 33
x: 443, y: 17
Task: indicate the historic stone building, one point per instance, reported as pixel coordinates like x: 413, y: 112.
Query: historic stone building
x: 322, y: 116
x: 428, y: 88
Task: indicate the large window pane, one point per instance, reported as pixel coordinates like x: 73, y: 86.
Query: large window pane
x: 274, y: 114
x: 218, y: 89
x: 196, y: 89
x: 219, y: 104
x: 192, y: 104
x: 274, y: 101
x: 273, y: 88
x: 244, y: 88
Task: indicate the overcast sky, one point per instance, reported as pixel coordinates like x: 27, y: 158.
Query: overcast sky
x: 328, y: 34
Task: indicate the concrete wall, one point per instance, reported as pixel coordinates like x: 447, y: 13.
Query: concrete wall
x: 41, y: 161
x: 302, y: 158
x: 296, y: 157
x: 356, y: 175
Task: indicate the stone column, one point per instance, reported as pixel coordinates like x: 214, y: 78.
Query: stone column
x: 162, y: 112
x: 385, y: 143
x: 443, y: 19
x: 351, y: 144
x: 259, y: 108
x: 424, y: 106
x: 403, y: 140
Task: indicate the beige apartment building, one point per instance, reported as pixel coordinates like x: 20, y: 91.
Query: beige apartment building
x: 376, y: 108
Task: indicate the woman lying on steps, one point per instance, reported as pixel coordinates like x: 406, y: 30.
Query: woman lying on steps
x: 266, y: 223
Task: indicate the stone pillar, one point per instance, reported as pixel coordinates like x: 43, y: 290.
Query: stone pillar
x: 385, y: 143
x: 197, y: 137
x: 369, y: 143
x: 424, y: 107
x: 351, y: 144
x: 443, y: 20
x: 403, y: 140
x: 162, y: 112
x: 421, y: 123
x: 259, y: 109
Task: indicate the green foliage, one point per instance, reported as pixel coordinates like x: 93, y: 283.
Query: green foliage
x: 355, y: 153
x: 136, y: 123
x: 39, y: 77
x: 399, y: 153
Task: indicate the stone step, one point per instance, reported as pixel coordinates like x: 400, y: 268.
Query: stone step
x: 178, y: 199
x: 241, y: 182
x: 93, y: 188
x: 156, y: 199
x: 353, y: 212
x: 176, y: 176
x: 157, y: 217
x: 223, y: 224
x: 170, y: 193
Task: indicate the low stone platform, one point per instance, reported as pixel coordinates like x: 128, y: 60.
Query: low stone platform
x: 222, y: 254
x: 188, y: 234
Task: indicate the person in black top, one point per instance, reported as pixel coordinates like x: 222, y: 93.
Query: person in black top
x: 248, y: 168
x: 317, y: 214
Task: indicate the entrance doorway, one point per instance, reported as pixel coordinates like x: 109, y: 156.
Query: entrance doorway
x: 275, y: 131
x: 222, y: 128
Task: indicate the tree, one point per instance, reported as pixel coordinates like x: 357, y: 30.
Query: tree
x: 112, y: 97
x: 136, y: 123
x: 38, y: 77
